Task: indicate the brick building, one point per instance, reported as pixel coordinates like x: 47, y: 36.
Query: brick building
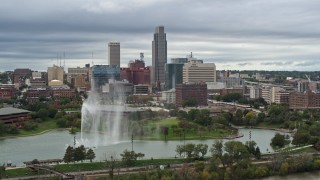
x: 63, y: 93
x: 7, y: 91
x: 136, y: 75
x: 231, y: 90
x: 15, y: 116
x: 20, y: 75
x: 136, y: 63
x: 34, y: 95
x: 198, y: 91
x: 306, y: 100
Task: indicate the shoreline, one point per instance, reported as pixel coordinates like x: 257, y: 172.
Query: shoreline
x: 235, y: 136
x: 35, y: 134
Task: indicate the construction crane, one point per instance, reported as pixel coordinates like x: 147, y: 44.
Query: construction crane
x: 308, y: 77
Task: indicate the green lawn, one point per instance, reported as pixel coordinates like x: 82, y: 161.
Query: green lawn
x: 43, y: 126
x: 153, y: 131
x: 21, y: 172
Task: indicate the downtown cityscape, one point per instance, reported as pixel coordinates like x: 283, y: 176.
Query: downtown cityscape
x: 184, y: 107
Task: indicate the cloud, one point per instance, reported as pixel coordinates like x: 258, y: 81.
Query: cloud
x: 245, y: 34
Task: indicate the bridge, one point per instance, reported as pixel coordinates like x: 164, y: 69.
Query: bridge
x: 50, y: 169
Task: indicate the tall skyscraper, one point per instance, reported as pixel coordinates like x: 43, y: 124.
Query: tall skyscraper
x: 159, y: 56
x: 114, y: 53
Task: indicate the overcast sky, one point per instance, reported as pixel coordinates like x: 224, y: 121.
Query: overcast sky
x: 234, y: 34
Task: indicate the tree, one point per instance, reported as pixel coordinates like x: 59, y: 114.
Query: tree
x: 251, y: 147
x: 261, y: 117
x: 238, y: 118
x: 69, y: 155
x: 278, y: 140
x: 201, y: 148
x: 257, y: 153
x: 80, y: 153
x: 2, y: 171
x: 90, y: 155
x: 284, y: 168
x: 165, y: 132
x: 235, y: 152
x: 180, y: 150
x: 217, y: 151
x: 43, y: 113
x: 250, y: 118
x: 52, y: 112
x: 300, y: 138
x: 2, y: 128
x: 129, y: 157
x: 189, y: 149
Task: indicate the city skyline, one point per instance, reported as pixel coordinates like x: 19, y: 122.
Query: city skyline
x: 272, y: 35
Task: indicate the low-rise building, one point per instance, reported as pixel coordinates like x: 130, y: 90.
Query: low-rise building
x: 15, y: 116
x: 305, y: 100
x: 142, y: 89
x: 7, y: 91
x: 169, y: 97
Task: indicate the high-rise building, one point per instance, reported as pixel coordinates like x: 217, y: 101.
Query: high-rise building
x: 102, y: 74
x: 159, y: 56
x: 114, y: 53
x: 196, y: 71
x: 55, y: 73
x: 173, y: 72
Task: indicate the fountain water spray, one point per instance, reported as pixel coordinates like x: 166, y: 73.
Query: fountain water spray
x: 103, y: 118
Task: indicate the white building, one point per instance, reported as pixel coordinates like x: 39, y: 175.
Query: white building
x: 196, y: 71
x: 254, y: 92
x: 169, y: 96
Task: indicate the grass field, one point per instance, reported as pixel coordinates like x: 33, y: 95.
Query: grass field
x: 153, y: 131
x: 43, y: 126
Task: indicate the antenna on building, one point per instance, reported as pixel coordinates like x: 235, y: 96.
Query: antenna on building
x: 191, y: 54
x: 141, y: 56
x: 92, y: 58
x: 64, y: 59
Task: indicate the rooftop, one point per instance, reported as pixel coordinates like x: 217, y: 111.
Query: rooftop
x: 11, y: 110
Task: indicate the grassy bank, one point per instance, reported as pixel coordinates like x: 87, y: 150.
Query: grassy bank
x: 65, y: 168
x: 42, y: 127
x: 153, y: 131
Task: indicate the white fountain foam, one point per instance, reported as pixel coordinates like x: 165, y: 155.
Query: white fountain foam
x: 102, y: 121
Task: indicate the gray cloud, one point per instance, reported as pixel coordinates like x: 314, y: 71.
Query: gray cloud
x: 245, y: 34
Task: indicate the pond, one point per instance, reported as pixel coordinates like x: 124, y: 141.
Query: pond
x: 52, y: 145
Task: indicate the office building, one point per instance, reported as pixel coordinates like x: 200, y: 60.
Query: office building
x: 191, y: 91
x: 159, y: 56
x: 114, y: 53
x: 173, y: 72
x: 136, y: 75
x: 101, y: 74
x: 55, y: 73
x: 20, y: 75
x: 197, y: 71
x: 305, y: 100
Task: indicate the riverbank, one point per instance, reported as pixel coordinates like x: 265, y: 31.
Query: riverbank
x: 262, y: 127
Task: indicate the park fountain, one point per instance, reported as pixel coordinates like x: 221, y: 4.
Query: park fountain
x: 102, y: 119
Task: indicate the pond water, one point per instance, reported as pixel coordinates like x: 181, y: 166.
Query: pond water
x: 52, y: 145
